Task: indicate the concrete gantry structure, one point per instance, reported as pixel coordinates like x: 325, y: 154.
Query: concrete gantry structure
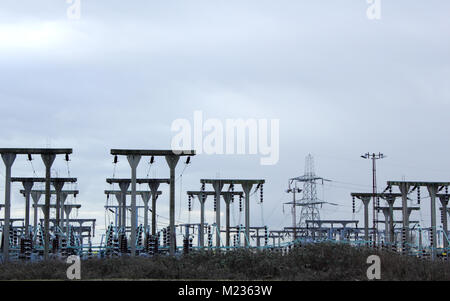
x: 36, y: 196
x: 58, y: 184
x: 388, y: 213
x: 154, y: 193
x: 433, y: 188
x: 228, y: 198
x: 68, y: 209
x: 319, y: 223
x: 80, y: 222
x: 201, y: 196
x: 365, y: 197
x: 145, y: 195
x: 247, y: 185
x: 172, y: 157
x: 9, y: 155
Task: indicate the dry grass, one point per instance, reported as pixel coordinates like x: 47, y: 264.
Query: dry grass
x: 311, y: 262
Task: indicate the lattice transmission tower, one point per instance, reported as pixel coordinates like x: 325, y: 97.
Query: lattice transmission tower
x: 309, y: 203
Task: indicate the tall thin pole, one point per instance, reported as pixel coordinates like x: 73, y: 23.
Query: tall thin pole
x: 374, y: 157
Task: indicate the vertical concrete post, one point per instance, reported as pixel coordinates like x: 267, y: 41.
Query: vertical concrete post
x: 432, y: 190
x: 404, y: 189
x: 27, y: 186
x: 134, y: 162
x: 386, y: 224
x: 118, y: 196
x: 202, y: 198
x: 258, y: 241
x: 172, y: 161
x: 247, y: 187
x: 390, y: 201
x: 218, y: 185
x: 145, y: 195
x: 48, y: 160
x: 58, y: 187
x: 64, y: 196
x: 8, y: 159
x: 123, y: 193
x: 67, y: 210
x: 36, y: 196
x: 227, y: 198
x: 366, y: 201
x: 444, y: 203
x: 154, y: 186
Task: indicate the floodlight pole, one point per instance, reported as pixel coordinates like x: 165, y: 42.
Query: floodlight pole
x: 374, y: 157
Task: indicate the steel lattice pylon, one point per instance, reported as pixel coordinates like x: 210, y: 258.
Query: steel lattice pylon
x: 309, y: 202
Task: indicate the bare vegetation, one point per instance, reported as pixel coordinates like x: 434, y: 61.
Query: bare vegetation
x: 311, y: 262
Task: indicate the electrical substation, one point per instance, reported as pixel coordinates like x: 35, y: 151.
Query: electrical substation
x: 135, y: 229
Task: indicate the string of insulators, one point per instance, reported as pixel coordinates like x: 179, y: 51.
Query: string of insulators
x: 353, y: 205
x: 240, y: 203
x: 152, y: 159
x: 266, y: 235
x: 30, y: 158
x: 442, y: 215
x: 188, y: 160
x: 116, y: 159
x: 215, y: 203
x: 446, y: 189
x: 261, y: 193
x: 232, y: 192
x: 418, y: 195
x: 203, y: 187
x: 190, y: 202
x: 67, y: 158
x: 390, y: 189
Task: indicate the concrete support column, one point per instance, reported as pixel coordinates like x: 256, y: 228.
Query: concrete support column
x: 404, y: 189
x: 8, y: 159
x: 247, y: 187
x: 145, y: 198
x: 118, y: 196
x: 390, y: 201
x: 172, y: 161
x: 48, y: 160
x: 432, y: 190
x: 218, y: 186
x: 58, y: 187
x: 134, y: 162
x: 386, y: 224
x: 67, y: 211
x: 154, y: 186
x: 27, y: 186
x: 36, y: 196
x: 123, y: 189
x: 366, y: 201
x: 227, y: 198
x: 64, y: 196
x: 444, y: 203
x: 202, y: 199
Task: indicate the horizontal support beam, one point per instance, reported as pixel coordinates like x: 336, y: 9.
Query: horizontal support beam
x: 138, y: 181
x: 36, y: 151
x: 42, y: 180
x: 143, y: 152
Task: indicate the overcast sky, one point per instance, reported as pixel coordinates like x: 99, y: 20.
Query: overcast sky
x: 340, y: 84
